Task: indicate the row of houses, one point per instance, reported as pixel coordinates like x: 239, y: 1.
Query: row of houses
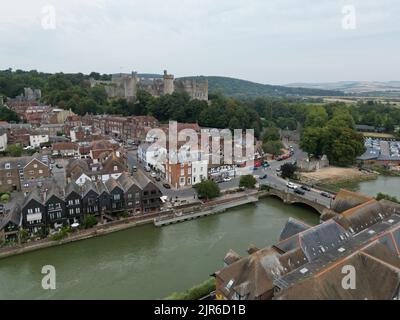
x: 133, y: 128
x: 46, y: 209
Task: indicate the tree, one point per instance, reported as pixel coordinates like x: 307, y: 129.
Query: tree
x: 271, y: 134
x: 207, y: 189
x: 247, y: 181
x: 8, y: 115
x: 273, y: 147
x: 317, y: 117
x: 288, y: 170
x: 5, y: 197
x: 312, y: 141
x: 14, y: 150
x: 89, y: 221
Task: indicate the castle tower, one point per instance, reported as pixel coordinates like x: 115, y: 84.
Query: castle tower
x: 130, y: 84
x: 168, y: 83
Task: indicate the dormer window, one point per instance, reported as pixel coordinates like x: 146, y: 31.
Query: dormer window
x: 7, y: 166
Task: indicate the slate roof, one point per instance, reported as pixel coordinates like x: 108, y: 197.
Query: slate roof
x: 72, y: 187
x: 292, y: 227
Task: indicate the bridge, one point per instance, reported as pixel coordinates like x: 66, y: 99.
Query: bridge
x: 322, y: 206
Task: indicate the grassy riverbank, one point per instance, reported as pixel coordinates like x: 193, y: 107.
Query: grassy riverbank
x: 196, y: 292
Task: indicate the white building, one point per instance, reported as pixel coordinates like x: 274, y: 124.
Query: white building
x: 37, y: 139
x: 3, y: 142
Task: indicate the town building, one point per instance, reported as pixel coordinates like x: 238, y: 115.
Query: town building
x: 307, y: 262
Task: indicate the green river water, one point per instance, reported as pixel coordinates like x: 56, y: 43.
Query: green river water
x: 150, y: 263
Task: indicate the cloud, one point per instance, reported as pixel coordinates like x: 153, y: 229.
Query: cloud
x: 274, y: 41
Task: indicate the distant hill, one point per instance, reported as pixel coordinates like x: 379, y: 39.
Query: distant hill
x: 364, y: 88
x: 245, y: 89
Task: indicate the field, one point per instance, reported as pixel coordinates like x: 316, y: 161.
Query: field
x: 378, y: 135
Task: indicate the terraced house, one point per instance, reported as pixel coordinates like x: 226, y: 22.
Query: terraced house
x: 50, y: 208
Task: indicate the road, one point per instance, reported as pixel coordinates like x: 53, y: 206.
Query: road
x: 272, y: 180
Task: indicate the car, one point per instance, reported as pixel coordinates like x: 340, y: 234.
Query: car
x: 134, y: 168
x: 266, y: 165
x: 264, y: 176
x: 299, y: 191
x: 305, y: 188
x: 158, y: 178
x: 166, y: 186
x: 147, y: 169
x: 59, y: 166
x: 291, y: 185
x: 326, y: 195
x: 226, y: 179
x: 153, y: 174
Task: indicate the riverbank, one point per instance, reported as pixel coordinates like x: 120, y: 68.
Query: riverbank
x: 188, y: 212
x: 334, y: 175
x: 96, y: 231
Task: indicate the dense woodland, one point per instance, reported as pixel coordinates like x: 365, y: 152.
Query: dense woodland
x: 326, y: 128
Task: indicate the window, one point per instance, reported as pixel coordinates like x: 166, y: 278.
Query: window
x: 182, y: 180
x: 51, y: 215
x: 194, y: 170
x: 71, y: 202
x: 78, y: 210
x: 137, y: 202
x: 189, y: 180
x: 137, y: 196
x: 76, y: 201
x: 7, y: 166
x: 153, y: 192
x: 9, y: 181
x: 71, y: 211
x: 130, y: 195
x: 182, y: 172
x: 115, y: 168
x: 117, y: 196
x: 30, y: 211
x: 8, y: 174
x: 58, y: 215
x: 58, y: 205
x: 35, y: 165
x: 145, y: 193
x: 37, y: 210
x: 31, y: 172
x: 40, y: 171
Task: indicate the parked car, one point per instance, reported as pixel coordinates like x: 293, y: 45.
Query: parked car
x: 326, y: 195
x: 266, y: 164
x: 291, y: 185
x: 134, y: 168
x: 166, y: 186
x: 226, y: 179
x: 147, y: 169
x: 158, y: 178
x: 305, y: 188
x: 59, y: 166
x: 299, y: 191
x: 154, y: 174
x: 264, y: 176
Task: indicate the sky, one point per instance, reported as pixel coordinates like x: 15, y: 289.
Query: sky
x: 273, y: 41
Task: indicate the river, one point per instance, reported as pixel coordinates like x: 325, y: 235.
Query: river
x: 150, y: 263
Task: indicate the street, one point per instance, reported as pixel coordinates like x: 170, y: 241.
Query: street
x: 272, y: 180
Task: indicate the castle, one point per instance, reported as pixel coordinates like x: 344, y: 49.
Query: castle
x: 127, y: 85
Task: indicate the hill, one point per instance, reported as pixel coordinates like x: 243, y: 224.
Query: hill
x: 246, y: 89
x: 361, y: 88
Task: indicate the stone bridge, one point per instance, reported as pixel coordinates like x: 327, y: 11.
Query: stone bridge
x: 293, y: 198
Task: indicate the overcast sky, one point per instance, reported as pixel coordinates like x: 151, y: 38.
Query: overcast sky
x: 267, y: 41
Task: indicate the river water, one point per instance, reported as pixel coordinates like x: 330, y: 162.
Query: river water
x: 150, y: 263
